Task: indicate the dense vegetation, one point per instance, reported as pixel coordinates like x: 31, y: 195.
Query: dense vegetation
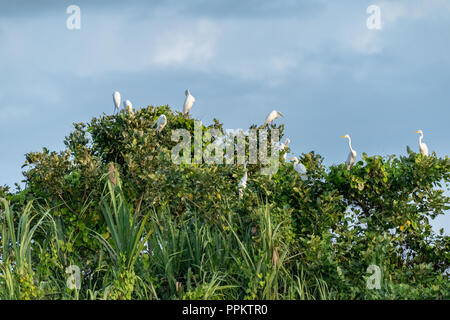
x: 139, y: 226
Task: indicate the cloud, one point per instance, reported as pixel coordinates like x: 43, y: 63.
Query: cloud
x: 395, y: 11
x: 194, y: 46
x: 104, y: 45
x: 265, y: 44
x: 261, y: 44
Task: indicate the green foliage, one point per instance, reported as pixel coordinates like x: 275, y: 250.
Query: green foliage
x: 16, y: 254
x: 125, y: 229
x: 141, y: 227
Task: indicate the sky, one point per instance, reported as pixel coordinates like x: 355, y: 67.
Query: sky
x: 315, y: 61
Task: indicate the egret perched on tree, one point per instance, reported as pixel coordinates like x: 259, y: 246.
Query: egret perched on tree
x: 188, y: 102
x: 422, y: 146
x: 243, y: 183
x: 272, y: 116
x: 128, y: 106
x: 352, y: 155
x: 161, y: 122
x: 116, y: 99
x: 300, y: 168
x: 284, y: 146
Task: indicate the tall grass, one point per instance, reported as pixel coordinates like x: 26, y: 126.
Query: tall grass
x: 126, y: 229
x: 192, y: 258
x: 16, y: 242
x: 156, y: 255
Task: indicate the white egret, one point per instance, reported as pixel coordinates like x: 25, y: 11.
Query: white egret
x: 284, y: 147
x: 116, y: 99
x: 243, y: 182
x: 300, y: 168
x: 243, y: 185
x: 188, y: 102
x: 272, y: 116
x: 161, y: 122
x: 352, y: 155
x: 128, y: 106
x: 422, y: 146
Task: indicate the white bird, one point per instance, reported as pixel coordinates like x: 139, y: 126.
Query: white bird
x: 300, y: 168
x: 243, y: 185
x: 161, y: 122
x: 284, y: 146
x: 422, y: 146
x: 352, y: 155
x: 128, y: 106
x: 116, y: 99
x: 188, y: 102
x: 272, y: 116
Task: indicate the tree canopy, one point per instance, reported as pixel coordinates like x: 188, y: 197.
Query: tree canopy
x: 329, y: 227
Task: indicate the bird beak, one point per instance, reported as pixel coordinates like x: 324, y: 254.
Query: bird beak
x: 416, y: 131
x: 343, y: 137
x: 291, y: 158
x: 281, y: 114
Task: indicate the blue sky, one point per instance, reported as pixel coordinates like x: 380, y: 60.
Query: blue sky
x: 315, y: 61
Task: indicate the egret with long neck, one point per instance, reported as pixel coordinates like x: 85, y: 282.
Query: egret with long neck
x: 422, y: 146
x: 352, y: 155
